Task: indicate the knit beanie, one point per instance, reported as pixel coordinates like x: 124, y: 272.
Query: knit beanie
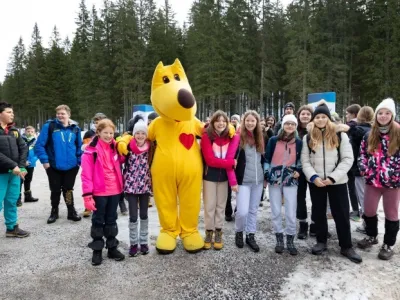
x: 322, y: 108
x: 236, y: 117
x: 388, y: 103
x: 289, y: 118
x: 140, y: 126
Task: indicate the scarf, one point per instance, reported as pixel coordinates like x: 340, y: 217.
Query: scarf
x: 139, y: 149
x: 288, y: 137
x: 384, y: 129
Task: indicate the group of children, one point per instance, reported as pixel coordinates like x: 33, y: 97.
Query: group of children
x: 309, y: 150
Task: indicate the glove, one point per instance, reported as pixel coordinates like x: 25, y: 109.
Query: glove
x: 89, y: 203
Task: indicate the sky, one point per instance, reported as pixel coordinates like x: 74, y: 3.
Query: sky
x: 17, y: 18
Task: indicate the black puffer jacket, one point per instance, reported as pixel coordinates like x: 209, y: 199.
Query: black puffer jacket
x: 13, y: 150
x: 356, y: 135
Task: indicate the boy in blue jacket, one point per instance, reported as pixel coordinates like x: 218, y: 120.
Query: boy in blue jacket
x: 13, y: 153
x: 59, y: 150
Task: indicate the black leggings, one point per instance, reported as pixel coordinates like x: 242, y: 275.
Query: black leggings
x: 133, y: 201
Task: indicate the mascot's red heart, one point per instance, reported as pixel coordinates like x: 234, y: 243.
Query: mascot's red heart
x: 187, y: 140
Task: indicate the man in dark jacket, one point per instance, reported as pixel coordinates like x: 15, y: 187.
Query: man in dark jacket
x: 288, y: 109
x: 13, y: 152
x: 59, y: 149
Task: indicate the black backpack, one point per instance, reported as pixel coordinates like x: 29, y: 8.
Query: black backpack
x: 308, y: 138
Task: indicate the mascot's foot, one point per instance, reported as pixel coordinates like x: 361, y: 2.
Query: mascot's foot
x: 193, y: 243
x: 166, y: 244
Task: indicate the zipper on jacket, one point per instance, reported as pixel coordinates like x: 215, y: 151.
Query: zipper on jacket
x: 323, y: 154
x: 62, y: 136
x: 70, y: 137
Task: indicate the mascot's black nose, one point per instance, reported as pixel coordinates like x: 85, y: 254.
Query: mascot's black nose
x: 186, y: 98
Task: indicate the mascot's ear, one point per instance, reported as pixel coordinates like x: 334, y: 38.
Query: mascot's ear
x: 177, y: 66
x: 157, y: 75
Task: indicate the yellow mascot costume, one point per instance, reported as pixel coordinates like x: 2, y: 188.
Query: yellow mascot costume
x: 177, y: 165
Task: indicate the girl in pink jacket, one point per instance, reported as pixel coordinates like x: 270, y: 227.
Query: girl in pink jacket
x: 218, y: 149
x: 102, y: 187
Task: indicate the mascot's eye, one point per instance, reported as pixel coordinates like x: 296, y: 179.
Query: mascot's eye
x: 176, y: 76
x: 165, y: 79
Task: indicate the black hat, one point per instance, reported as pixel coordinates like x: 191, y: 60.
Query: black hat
x: 152, y: 116
x: 132, y: 122
x: 289, y: 104
x: 322, y: 108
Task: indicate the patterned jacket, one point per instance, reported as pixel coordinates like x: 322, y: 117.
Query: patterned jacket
x: 137, y: 179
x: 378, y: 168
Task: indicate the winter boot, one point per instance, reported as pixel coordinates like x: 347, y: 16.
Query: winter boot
x: 318, y: 248
x: 386, y: 252
x: 303, y: 230
x: 290, y: 245
x: 29, y: 197
x: 133, y: 251
x: 53, y: 215
x: 250, y: 240
x: 208, y: 239
x: 239, y: 239
x: 72, y: 215
x: 17, y: 232
x: 279, y: 243
x: 19, y: 202
x: 218, y: 244
x: 115, y: 254
x: 97, y: 257
x: 351, y: 254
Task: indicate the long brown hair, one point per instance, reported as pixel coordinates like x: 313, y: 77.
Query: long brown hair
x: 257, y: 132
x: 394, y: 138
x: 316, y: 136
x: 214, y: 118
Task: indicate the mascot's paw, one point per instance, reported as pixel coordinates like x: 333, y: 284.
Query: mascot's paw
x: 193, y: 243
x: 123, y: 143
x: 232, y: 130
x: 166, y: 244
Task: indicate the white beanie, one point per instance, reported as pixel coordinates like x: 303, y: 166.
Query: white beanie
x: 289, y: 118
x: 387, y: 103
x: 236, y: 117
x: 140, y: 126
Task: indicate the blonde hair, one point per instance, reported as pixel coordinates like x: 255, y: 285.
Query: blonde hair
x: 331, y: 139
x: 365, y: 115
x: 63, y: 107
x: 257, y: 132
x: 103, y: 124
x: 29, y: 127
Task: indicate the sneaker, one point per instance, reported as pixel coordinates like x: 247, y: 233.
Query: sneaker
x: 318, y: 248
x: 87, y: 213
x: 133, y: 251
x: 115, y: 254
x: 355, y: 216
x: 150, y: 204
x: 17, y: 232
x: 250, y: 240
x: 239, y: 239
x: 228, y: 218
x: 386, y: 252
x: 208, y: 239
x: 144, y: 249
x: 218, y: 244
x: 97, y: 257
x: 367, y: 242
x: 351, y: 254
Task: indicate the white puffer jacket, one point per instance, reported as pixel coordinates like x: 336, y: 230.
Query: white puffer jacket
x: 324, y: 162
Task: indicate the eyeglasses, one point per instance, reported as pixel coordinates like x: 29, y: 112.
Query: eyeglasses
x: 290, y: 124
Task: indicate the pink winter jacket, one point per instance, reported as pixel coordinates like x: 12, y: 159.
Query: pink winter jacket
x: 92, y: 175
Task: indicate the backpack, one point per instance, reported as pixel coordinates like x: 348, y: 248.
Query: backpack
x: 308, y: 138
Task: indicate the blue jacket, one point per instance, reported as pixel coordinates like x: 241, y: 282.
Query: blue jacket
x: 63, y: 149
x: 32, y: 158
